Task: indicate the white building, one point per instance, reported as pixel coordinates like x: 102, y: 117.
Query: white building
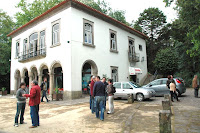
x: 70, y: 42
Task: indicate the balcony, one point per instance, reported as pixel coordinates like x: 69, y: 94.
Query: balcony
x: 133, y: 57
x: 32, y: 54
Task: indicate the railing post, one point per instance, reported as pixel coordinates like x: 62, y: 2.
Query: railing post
x: 166, y: 105
x: 168, y: 96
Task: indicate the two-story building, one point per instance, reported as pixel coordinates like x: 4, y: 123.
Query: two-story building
x: 71, y: 41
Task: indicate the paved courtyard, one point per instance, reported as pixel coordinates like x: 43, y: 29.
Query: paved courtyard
x: 75, y: 116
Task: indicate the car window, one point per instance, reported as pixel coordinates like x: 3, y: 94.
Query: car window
x: 126, y: 86
x: 164, y: 81
x: 117, y: 85
x: 155, y: 82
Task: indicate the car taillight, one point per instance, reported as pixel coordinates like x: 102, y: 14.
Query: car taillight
x: 178, y: 81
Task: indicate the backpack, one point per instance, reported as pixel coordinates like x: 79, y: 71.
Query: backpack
x: 113, y: 89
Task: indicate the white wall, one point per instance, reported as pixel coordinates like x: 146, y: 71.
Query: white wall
x: 60, y: 53
x: 101, y: 54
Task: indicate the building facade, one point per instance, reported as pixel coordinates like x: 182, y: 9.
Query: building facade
x: 69, y: 43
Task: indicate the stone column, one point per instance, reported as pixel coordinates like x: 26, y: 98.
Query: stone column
x: 165, y: 121
x: 51, y: 84
x: 30, y: 80
x: 16, y: 82
x: 166, y: 105
x: 39, y: 79
x: 168, y: 96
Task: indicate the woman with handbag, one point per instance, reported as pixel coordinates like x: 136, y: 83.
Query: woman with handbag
x: 172, y: 86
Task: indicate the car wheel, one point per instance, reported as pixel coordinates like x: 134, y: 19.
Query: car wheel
x: 140, y: 97
x: 178, y: 92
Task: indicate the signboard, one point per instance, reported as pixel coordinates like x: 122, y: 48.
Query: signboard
x: 134, y: 71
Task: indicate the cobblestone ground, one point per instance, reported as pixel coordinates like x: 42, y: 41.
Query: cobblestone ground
x: 75, y: 116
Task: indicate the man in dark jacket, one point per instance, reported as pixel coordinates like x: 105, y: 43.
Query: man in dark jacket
x: 105, y: 85
x: 34, y: 103
x: 21, y: 104
x: 99, y: 94
x: 44, y: 87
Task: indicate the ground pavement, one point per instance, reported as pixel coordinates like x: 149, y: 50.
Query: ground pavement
x: 75, y: 116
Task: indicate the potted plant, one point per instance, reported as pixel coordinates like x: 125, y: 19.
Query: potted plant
x: 3, y: 91
x: 57, y: 94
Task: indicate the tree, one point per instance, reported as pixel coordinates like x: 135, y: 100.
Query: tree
x: 31, y: 10
x: 166, y: 61
x: 6, y: 25
x: 151, y: 23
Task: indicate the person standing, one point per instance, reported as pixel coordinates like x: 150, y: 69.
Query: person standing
x: 99, y: 94
x: 34, y: 103
x: 172, y: 86
x: 110, y: 90
x: 21, y: 104
x: 105, y: 85
x: 44, y: 87
x: 92, y: 102
x: 195, y: 85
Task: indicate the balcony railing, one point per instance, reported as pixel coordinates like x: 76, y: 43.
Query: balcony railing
x: 133, y: 57
x: 35, y: 52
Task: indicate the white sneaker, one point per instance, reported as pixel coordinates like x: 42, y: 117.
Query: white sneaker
x: 16, y: 125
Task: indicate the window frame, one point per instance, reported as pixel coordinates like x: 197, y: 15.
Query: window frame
x: 113, y: 32
x: 40, y: 42
x: 33, y: 52
x: 92, y: 30
x: 140, y: 47
x: 112, y: 68
x: 52, y: 33
x: 131, y: 39
x: 17, y: 49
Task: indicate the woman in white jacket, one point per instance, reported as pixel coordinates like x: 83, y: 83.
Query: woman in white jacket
x: 172, y: 86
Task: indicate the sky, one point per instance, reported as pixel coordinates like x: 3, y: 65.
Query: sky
x: 133, y: 8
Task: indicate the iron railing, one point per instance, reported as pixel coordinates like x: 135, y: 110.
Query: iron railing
x: 133, y: 57
x: 32, y: 53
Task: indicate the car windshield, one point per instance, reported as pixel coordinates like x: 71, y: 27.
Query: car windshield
x: 134, y: 84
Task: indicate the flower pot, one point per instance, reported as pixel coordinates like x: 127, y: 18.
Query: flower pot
x: 57, y: 96
x: 3, y: 93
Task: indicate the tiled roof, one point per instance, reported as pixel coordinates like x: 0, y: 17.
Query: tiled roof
x: 75, y: 2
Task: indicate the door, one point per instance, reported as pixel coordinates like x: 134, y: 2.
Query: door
x: 155, y: 85
x: 164, y: 89
x: 127, y: 89
x: 119, y: 91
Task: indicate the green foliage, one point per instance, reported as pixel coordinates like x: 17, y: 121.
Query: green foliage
x: 166, y: 61
x: 56, y: 90
x: 151, y: 21
x: 31, y: 10
x: 6, y: 25
x: 3, y: 89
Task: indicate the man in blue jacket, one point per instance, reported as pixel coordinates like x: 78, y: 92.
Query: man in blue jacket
x: 99, y: 94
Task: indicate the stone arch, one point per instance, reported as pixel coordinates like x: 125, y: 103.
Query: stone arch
x: 43, y: 72
x: 17, y: 77
x: 89, y: 68
x: 94, y: 69
x: 33, y: 73
x: 53, y: 65
x: 25, y: 76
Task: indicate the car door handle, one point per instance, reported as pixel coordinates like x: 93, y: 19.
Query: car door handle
x: 123, y: 90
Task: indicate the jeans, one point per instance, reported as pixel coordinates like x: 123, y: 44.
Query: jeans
x: 44, y: 94
x: 20, y: 109
x: 105, y: 100
x: 111, y: 105
x: 196, y: 90
x: 34, y: 112
x: 92, y: 104
x: 100, y: 102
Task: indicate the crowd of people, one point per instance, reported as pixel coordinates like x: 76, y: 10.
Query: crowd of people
x: 99, y: 90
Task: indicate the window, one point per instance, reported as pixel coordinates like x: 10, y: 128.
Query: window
x: 88, y: 32
x: 114, y: 74
x: 131, y: 46
x: 156, y: 82
x: 113, y: 41
x: 17, y: 49
x: 42, y: 42
x: 33, y: 44
x: 25, y: 50
x: 117, y: 85
x: 140, y: 47
x: 126, y: 86
x: 56, y: 34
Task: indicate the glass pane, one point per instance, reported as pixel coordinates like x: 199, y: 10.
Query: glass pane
x: 117, y: 85
x: 126, y: 86
x: 56, y: 27
x: 88, y: 27
x: 86, y: 38
x: 156, y: 82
